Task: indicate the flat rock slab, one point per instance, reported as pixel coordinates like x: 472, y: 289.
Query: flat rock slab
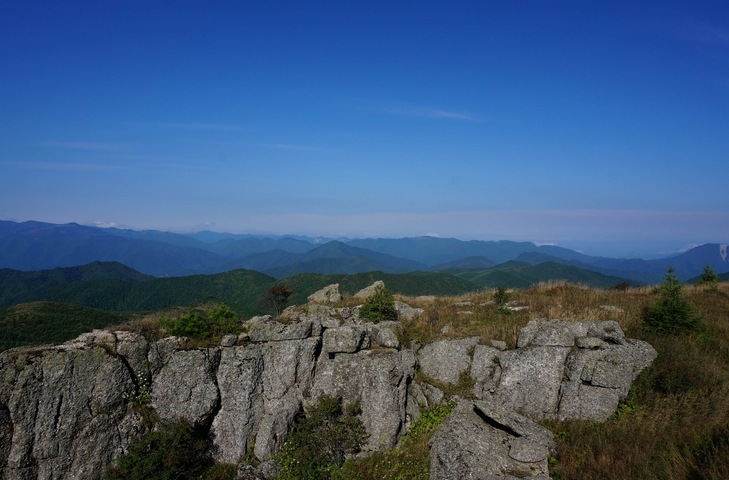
x: 468, y: 445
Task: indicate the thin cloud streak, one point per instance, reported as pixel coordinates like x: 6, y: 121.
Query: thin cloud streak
x: 84, y: 145
x: 62, y: 166
x: 197, y: 126
x: 431, y: 113
x: 302, y: 148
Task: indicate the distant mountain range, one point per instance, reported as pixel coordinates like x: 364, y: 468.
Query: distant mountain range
x: 36, y: 246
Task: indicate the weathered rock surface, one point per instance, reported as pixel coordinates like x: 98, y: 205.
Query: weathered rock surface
x: 185, y: 388
x: 328, y: 294
x: 445, y: 360
x: 65, y: 410
x: 345, y: 339
x: 379, y: 381
x: 367, y: 291
x: 266, y: 329
x: 472, y: 444
x: 406, y: 312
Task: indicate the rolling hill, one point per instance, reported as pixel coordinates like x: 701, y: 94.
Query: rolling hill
x: 526, y: 276
x: 19, y: 287
x: 243, y: 290
x: 46, y: 322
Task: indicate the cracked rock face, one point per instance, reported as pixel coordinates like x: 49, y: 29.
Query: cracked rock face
x: 65, y: 410
x: 471, y: 443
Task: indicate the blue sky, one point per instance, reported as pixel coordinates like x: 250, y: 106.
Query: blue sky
x: 603, y: 127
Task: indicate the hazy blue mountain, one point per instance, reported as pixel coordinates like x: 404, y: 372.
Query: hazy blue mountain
x: 18, y: 286
x: 328, y: 266
x: 265, y: 262
x: 207, y: 236
x: 239, y: 248
x: 468, y: 262
x: 434, y: 251
x: 688, y: 264
x: 158, y: 236
x: 48, y: 246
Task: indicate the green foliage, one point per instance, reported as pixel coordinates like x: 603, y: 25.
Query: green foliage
x: 219, y: 321
x: 379, y: 307
x: 710, y: 279
x: 141, y: 396
x: 501, y: 297
x: 279, y: 295
x: 45, y: 322
x: 671, y: 313
x: 320, y: 441
x: 429, y: 421
x: 170, y: 453
x: 521, y: 276
x: 410, y: 460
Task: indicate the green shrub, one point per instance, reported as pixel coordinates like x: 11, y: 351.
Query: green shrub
x: 501, y: 297
x: 320, y: 441
x: 219, y: 320
x: 172, y: 452
x: 379, y: 307
x: 671, y: 312
x: 709, y: 279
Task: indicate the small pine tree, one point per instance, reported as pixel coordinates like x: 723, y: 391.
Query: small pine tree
x: 501, y: 297
x: 671, y: 313
x: 709, y: 279
x: 278, y: 296
x: 379, y: 307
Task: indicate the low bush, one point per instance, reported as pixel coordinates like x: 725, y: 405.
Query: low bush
x: 320, y: 441
x: 218, y: 321
x: 671, y: 313
x: 172, y: 452
x: 379, y: 307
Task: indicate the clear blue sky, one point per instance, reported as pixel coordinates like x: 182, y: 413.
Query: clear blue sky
x: 570, y: 122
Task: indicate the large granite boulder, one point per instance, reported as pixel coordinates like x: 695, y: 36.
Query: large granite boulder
x: 368, y: 291
x: 476, y: 443
x: 345, y: 339
x: 186, y: 387
x: 266, y: 329
x: 445, y: 360
x: 328, y: 294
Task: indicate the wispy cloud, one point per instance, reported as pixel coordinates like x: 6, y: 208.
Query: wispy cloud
x: 426, y: 112
x: 302, y: 148
x: 197, y: 126
x: 61, y: 166
x: 84, y: 145
x: 105, y: 224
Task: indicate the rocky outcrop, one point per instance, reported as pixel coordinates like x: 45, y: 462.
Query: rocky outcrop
x: 562, y: 370
x: 484, y: 441
x: 67, y: 411
x: 368, y: 291
x: 328, y: 294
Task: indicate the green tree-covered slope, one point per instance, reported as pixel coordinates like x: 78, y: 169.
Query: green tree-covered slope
x: 526, y: 276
